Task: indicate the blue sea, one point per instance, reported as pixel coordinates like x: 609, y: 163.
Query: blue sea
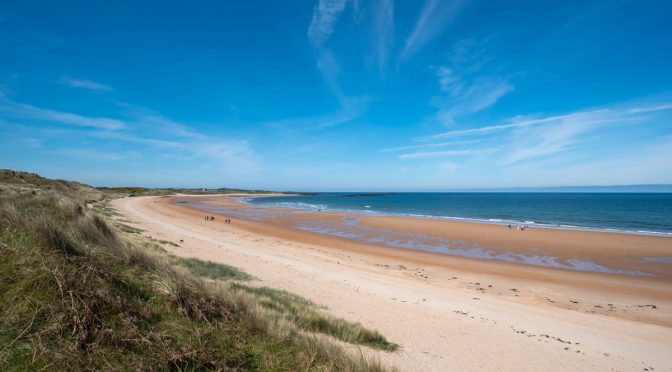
x: 644, y: 213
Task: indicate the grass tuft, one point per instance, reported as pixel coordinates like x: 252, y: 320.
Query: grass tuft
x: 77, y: 294
x: 309, y: 317
x: 211, y: 270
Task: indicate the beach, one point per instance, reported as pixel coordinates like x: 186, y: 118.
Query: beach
x: 607, y: 306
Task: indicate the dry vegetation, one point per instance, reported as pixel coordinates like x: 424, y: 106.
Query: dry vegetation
x: 77, y: 292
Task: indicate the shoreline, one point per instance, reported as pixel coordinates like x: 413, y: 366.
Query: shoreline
x: 485, y: 221
x: 565, y: 250
x: 441, y: 309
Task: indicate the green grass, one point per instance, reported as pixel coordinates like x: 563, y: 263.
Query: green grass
x: 211, y: 270
x: 309, y: 317
x: 130, y: 229
x: 168, y: 242
x: 78, y: 294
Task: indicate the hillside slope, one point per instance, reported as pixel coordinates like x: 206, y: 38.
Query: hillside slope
x: 77, y: 292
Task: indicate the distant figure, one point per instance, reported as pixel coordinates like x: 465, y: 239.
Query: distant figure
x: 212, y: 218
x: 509, y: 226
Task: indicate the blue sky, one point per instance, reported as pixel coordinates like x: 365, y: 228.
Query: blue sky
x: 338, y: 95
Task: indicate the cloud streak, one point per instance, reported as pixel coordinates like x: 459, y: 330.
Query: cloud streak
x: 532, y: 138
x: 25, y: 111
x: 470, y: 98
x: 84, y: 84
x: 599, y: 115
x: 442, y: 154
x: 325, y: 15
x: 434, y: 18
x: 429, y: 145
x: 140, y: 126
x: 383, y: 32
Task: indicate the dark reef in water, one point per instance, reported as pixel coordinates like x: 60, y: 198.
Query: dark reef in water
x: 370, y: 194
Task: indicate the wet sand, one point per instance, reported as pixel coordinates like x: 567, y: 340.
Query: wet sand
x: 449, y: 311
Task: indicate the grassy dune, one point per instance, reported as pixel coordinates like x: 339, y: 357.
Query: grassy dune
x: 76, y: 292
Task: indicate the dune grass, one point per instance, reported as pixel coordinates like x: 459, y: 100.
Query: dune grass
x: 211, y: 270
x: 75, y: 293
x: 309, y: 317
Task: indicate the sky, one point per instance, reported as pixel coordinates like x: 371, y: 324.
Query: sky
x: 333, y: 95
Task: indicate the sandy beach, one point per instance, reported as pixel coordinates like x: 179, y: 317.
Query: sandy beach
x: 449, y: 312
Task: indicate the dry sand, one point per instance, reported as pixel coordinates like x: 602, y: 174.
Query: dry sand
x: 451, y: 313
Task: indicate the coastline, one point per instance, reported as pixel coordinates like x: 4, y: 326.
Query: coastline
x: 580, y: 250
x: 485, y: 221
x: 439, y: 308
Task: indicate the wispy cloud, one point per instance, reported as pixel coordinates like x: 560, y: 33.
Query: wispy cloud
x: 325, y: 14
x: 649, y: 164
x: 468, y: 84
x: 430, y: 145
x: 84, y: 84
x: 383, y: 32
x: 434, y: 18
x: 157, y: 135
x: 26, y: 111
x: 441, y: 154
x: 517, y: 123
x: 531, y: 138
x: 351, y: 109
x: 469, y: 98
x: 589, y: 116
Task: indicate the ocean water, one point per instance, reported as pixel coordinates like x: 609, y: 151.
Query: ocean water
x: 647, y: 213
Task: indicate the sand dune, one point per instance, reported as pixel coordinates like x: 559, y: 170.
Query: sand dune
x: 449, y: 313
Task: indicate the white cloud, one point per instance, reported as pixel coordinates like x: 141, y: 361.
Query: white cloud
x: 383, y: 32
x: 430, y: 145
x: 351, y: 109
x: 158, y: 136
x: 434, y: 17
x: 440, y: 154
x: 465, y: 88
x: 84, y: 84
x: 532, y: 138
x: 325, y: 15
x: 650, y: 164
x: 25, y: 111
x: 448, y: 81
x: 599, y: 115
x: 517, y: 123
x: 469, y: 98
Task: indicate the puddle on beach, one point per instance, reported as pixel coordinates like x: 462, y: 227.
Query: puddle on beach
x: 349, y: 227
x: 658, y: 259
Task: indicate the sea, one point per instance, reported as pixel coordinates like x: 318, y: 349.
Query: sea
x: 641, y: 213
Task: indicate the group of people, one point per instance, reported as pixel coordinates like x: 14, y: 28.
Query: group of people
x: 211, y: 218
x: 518, y: 227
